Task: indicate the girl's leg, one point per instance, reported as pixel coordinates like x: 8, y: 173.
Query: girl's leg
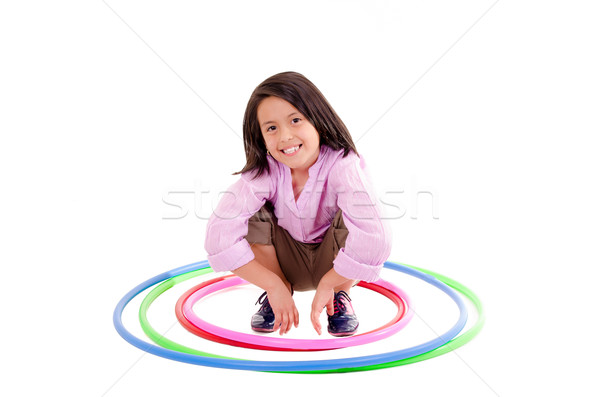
x: 333, y: 240
x: 265, y: 254
x: 346, y: 286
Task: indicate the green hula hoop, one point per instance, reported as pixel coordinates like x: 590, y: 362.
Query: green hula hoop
x: 454, y: 344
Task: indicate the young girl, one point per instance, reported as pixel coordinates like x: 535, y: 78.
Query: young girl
x: 303, y: 215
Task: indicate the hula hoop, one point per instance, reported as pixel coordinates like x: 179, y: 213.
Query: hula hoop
x: 349, y: 364
x: 193, y: 323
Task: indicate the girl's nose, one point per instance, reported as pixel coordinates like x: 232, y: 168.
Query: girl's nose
x: 286, y: 134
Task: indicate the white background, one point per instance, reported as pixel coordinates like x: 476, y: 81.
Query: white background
x: 107, y: 107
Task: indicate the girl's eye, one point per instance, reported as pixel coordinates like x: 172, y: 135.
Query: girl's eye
x: 271, y: 128
x: 296, y: 120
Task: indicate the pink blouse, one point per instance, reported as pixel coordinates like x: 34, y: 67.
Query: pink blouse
x: 334, y: 183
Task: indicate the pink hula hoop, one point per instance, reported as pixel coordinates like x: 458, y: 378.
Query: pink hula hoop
x: 185, y: 309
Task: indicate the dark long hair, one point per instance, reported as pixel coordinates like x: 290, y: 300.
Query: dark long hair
x: 304, y: 96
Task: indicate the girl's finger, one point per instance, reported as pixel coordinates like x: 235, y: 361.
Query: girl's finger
x: 277, y: 322
x: 290, y: 321
x: 330, y: 308
x: 296, y: 317
x: 315, y: 320
x: 284, y: 325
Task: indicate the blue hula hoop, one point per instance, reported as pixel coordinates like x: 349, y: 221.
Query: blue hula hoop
x: 279, y: 366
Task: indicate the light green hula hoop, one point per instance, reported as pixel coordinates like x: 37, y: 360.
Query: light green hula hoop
x: 455, y: 343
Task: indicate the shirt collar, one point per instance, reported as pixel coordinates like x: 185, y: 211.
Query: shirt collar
x: 314, y: 169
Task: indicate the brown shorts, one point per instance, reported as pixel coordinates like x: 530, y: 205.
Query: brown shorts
x: 303, y: 264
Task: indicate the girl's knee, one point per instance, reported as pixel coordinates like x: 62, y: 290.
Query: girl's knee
x: 264, y: 250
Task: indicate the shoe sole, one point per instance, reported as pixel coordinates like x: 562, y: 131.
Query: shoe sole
x: 264, y: 330
x: 343, y: 334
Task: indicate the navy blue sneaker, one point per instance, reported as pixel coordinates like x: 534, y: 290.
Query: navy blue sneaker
x: 264, y: 319
x: 343, y: 322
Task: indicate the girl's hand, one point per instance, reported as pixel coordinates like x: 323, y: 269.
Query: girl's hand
x: 323, y: 298
x: 284, y: 308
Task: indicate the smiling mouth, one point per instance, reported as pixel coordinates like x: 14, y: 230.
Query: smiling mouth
x: 291, y: 150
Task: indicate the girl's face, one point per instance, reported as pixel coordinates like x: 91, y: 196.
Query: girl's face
x: 289, y: 136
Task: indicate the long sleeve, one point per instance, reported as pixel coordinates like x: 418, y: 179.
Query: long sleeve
x: 368, y: 244
x: 228, y: 225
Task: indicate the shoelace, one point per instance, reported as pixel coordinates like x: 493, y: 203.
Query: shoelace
x: 264, y: 301
x: 261, y: 298
x: 338, y: 304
